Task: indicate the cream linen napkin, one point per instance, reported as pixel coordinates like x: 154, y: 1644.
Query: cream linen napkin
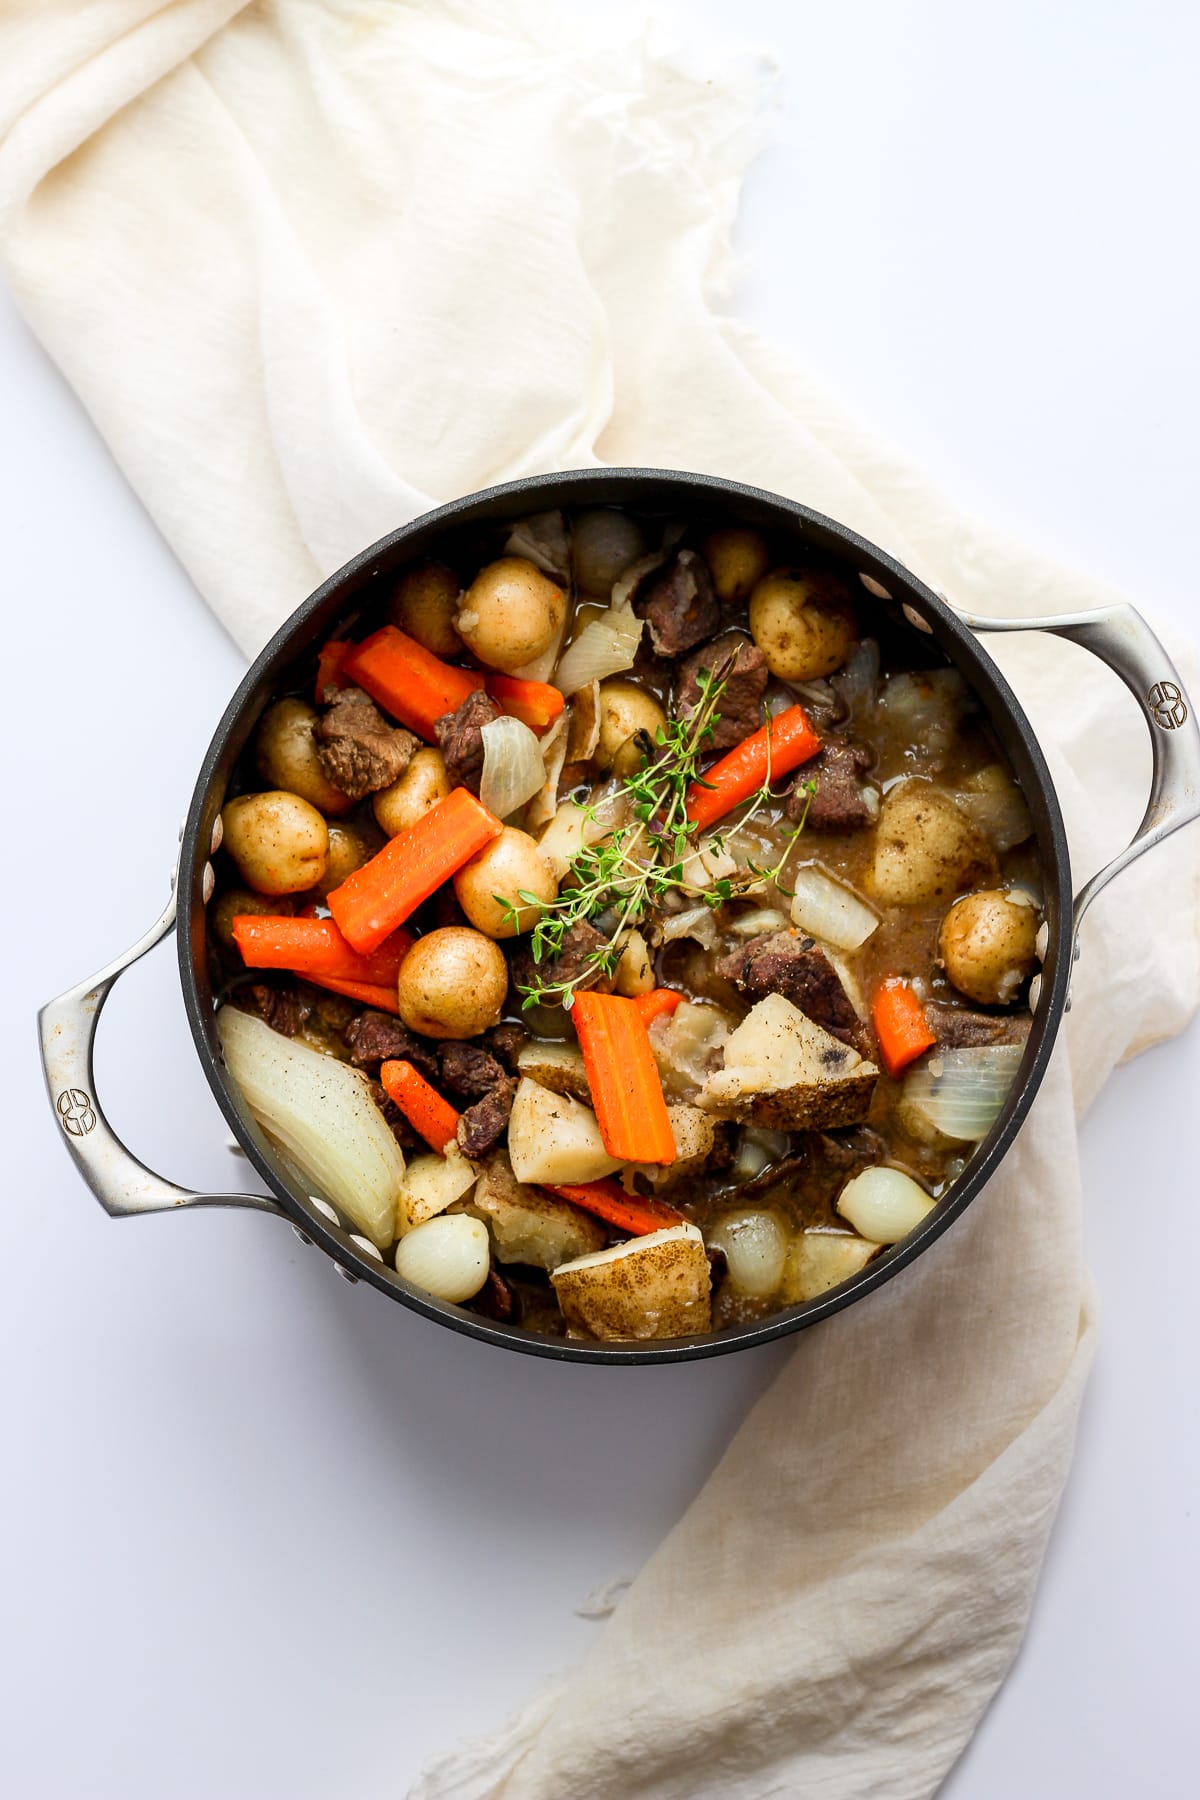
x: 311, y: 264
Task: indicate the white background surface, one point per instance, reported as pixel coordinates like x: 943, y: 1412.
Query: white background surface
x: 266, y: 1534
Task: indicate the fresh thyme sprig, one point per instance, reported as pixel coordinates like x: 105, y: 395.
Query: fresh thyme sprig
x: 638, y: 864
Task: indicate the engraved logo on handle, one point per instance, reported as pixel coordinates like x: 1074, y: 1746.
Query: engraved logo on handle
x: 74, y: 1108
x: 1167, y: 706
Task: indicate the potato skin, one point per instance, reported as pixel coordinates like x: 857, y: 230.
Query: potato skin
x: 421, y: 786
x: 423, y: 604
x: 925, y: 848
x: 452, y: 983
x: 279, y: 842
x: 803, y: 623
x: 286, y: 757
x: 625, y: 708
x: 511, y: 613
x: 987, y: 944
x: 511, y: 862
x: 235, y: 902
x: 350, y: 846
x: 738, y: 559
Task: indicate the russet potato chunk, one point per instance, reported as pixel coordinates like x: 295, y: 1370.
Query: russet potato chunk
x: 656, y: 1286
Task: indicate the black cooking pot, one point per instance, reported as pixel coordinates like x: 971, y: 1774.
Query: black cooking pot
x: 1117, y: 634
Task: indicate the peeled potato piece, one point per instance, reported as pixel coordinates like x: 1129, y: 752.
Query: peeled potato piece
x: 649, y: 1287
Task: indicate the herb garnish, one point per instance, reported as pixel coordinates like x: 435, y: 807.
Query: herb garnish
x: 640, y: 863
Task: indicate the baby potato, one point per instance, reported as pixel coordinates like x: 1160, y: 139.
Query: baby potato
x: 510, y: 865
x: 350, y: 846
x: 738, y: 559
x: 236, y: 901
x: 802, y: 621
x: 925, y: 847
x: 511, y: 613
x: 987, y: 944
x: 452, y: 983
x: 286, y: 757
x: 421, y: 786
x: 625, y: 709
x: 423, y: 604
x: 603, y: 544
x: 279, y: 842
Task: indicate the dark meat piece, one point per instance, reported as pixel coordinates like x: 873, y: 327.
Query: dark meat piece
x: 483, y: 1125
x: 571, y: 776
x: 788, y: 964
x: 282, y: 1008
x: 743, y: 667
x: 496, y: 1299
x: 356, y: 747
x: 469, y: 1072
x: 376, y: 1037
x: 958, y: 1028
x: 679, y: 606
x: 573, y: 963
x: 399, y: 1126
x: 460, y: 739
x: 838, y: 803
x: 820, y: 1166
x: 506, y: 1043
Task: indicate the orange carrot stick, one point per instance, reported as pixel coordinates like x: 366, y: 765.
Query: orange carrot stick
x: 413, y: 684
x: 371, y: 902
x: 535, y: 703
x: 315, y: 947
x: 782, y: 744
x: 900, y: 1025
x: 628, y: 1212
x: 330, y: 663
x: 656, y: 1003
x: 623, y: 1077
x: 381, y: 999
x: 422, y: 1105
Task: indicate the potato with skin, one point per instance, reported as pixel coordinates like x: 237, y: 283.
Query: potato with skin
x: 234, y: 903
x: 286, y: 756
x: 511, y: 613
x: 988, y: 945
x: 506, y: 868
x: 452, y: 983
x: 350, y: 846
x: 925, y: 847
x: 657, y: 1286
x: 625, y: 710
x: 423, y: 604
x: 738, y: 559
x: 604, y: 543
x: 418, y: 790
x: 279, y: 842
x: 802, y: 621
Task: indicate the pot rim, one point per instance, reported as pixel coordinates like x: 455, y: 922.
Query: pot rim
x: 600, y: 486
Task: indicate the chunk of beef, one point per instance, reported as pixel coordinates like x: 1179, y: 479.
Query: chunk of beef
x: 483, y: 1125
x: 401, y: 1130
x: 819, y: 1167
x: 839, y: 802
x: 958, y: 1028
x: 375, y: 1037
x: 469, y: 1071
x: 575, y: 963
x: 506, y: 1043
x: 496, y: 1299
x: 794, y: 966
x: 282, y: 1008
x: 679, y: 606
x: 743, y: 668
x: 359, y: 752
x: 460, y: 739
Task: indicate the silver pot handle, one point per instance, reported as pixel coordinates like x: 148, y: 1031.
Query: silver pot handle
x: 123, y: 1185
x: 1120, y: 637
